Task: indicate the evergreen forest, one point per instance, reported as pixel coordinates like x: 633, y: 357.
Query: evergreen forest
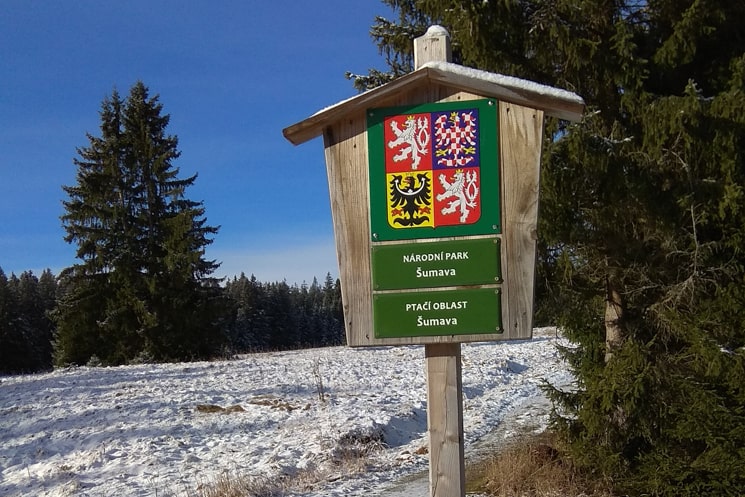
x: 254, y: 317
x: 141, y: 289
x: 641, y: 235
x: 642, y: 220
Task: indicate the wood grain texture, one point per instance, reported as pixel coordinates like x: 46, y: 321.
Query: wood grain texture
x: 445, y: 420
x: 434, y: 46
x: 346, y: 164
x: 300, y: 132
x: 521, y: 131
x: 552, y: 105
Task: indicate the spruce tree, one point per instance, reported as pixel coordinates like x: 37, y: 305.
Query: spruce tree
x: 641, y: 221
x: 142, y: 288
x: 11, y: 341
x: 274, y: 316
x: 34, y: 321
x: 25, y: 326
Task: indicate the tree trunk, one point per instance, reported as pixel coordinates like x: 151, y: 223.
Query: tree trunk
x: 614, y: 333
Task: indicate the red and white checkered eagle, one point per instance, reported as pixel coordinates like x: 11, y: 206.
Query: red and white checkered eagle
x: 455, y: 139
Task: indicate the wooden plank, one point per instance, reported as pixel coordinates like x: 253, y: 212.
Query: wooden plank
x: 314, y: 125
x: 346, y: 164
x: 553, y: 105
x: 521, y: 131
x: 445, y: 420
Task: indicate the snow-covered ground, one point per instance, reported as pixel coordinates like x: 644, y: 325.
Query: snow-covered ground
x: 345, y: 422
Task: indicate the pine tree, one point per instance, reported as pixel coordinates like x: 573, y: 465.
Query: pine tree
x: 143, y: 288
x: 641, y: 222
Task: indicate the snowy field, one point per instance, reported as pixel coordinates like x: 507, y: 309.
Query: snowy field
x: 332, y: 422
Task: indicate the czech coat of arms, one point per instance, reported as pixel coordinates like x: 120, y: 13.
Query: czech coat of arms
x: 432, y: 168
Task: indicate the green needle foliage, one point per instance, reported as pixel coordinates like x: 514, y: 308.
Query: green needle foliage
x: 25, y: 328
x: 142, y: 288
x: 642, y: 229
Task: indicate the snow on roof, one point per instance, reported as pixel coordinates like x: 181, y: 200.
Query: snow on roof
x: 507, y: 81
x: 553, y: 101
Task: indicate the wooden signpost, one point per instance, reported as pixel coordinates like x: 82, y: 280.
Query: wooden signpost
x: 434, y: 183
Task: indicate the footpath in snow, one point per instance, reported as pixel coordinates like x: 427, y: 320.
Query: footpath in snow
x: 300, y: 416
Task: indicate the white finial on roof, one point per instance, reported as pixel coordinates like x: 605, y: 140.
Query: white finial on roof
x: 433, y: 46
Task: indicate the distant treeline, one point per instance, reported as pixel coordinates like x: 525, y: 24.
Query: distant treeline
x: 26, y: 328
x: 273, y: 316
x: 255, y: 316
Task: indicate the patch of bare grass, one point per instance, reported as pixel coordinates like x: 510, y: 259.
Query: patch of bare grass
x: 275, y: 403
x: 350, y: 456
x: 212, y: 409
x: 228, y: 485
x: 533, y: 466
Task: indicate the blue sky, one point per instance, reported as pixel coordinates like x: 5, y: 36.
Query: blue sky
x: 231, y: 74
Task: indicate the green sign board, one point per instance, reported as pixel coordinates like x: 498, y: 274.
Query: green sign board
x: 473, y: 311
x: 460, y: 262
x: 434, y: 170
x: 434, y: 173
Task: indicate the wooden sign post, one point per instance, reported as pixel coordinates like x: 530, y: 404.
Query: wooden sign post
x: 434, y: 183
x: 447, y: 467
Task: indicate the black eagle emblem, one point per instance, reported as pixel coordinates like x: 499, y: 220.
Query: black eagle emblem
x: 410, y: 199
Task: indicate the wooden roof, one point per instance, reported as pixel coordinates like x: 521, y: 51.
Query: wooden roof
x: 554, y: 102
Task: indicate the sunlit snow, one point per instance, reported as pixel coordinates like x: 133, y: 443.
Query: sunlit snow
x: 166, y: 429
